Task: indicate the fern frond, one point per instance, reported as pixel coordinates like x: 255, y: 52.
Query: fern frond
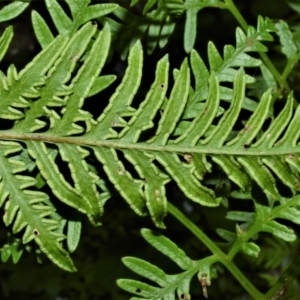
x: 50, y: 91
x: 150, y: 138
x: 66, y: 125
x: 264, y: 219
x: 81, y: 12
x: 73, y: 235
x: 191, y: 8
x: 27, y: 209
x: 157, y: 25
x: 13, y: 248
x: 25, y: 83
x: 224, y: 66
x: 168, y: 285
x: 289, y: 49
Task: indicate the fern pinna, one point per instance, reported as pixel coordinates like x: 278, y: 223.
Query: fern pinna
x: 178, y: 132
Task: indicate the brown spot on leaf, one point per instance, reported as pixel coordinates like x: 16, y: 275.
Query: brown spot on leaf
x: 188, y: 158
x: 204, y: 282
x: 247, y: 128
x: 120, y: 171
x: 250, y: 42
x: 36, y: 232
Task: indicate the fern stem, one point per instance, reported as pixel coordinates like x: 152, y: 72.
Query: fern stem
x: 222, y: 257
x: 195, y: 230
x: 93, y: 142
x: 236, y: 246
x: 236, y: 13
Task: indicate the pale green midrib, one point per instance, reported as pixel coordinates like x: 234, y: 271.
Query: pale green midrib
x: 118, y: 144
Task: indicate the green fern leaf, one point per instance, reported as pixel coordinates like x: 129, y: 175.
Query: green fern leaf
x: 167, y: 286
x: 46, y: 101
x: 286, y: 39
x: 5, y: 40
x: 149, y: 5
x: 57, y: 77
x: 73, y: 235
x: 28, y: 209
x: 100, y: 84
x: 158, y: 25
x: 192, y: 8
x: 96, y: 11
x: 190, y: 30
x: 13, y: 248
x: 60, y: 18
x: 81, y: 13
x: 121, y: 99
x: 77, y: 5
x: 120, y: 107
x: 168, y: 248
x: 25, y: 83
x: 12, y: 10
x: 272, y: 226
x: 61, y: 188
x: 41, y: 29
x: 225, y: 68
x: 264, y: 219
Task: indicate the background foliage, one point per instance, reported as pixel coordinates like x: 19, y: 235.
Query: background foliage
x: 98, y: 257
